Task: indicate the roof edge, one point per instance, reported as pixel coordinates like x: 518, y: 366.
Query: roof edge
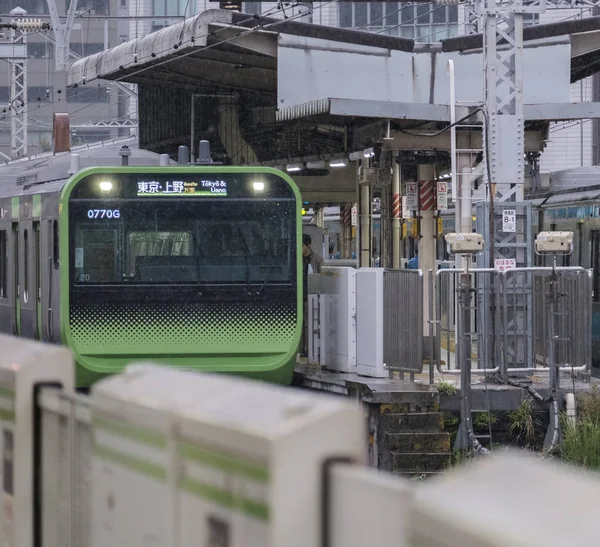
x: 152, y: 48
x: 534, y: 32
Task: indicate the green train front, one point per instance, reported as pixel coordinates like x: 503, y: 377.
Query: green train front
x: 197, y: 267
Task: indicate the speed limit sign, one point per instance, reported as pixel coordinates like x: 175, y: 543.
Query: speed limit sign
x: 509, y: 220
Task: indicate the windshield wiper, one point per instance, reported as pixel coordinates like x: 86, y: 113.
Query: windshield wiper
x: 260, y: 290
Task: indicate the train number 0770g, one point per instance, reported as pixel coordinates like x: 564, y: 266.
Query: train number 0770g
x: 104, y: 213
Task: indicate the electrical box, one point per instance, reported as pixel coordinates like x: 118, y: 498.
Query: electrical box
x: 25, y: 365
x: 214, y: 460
x: 389, y: 311
x: 468, y: 243
x: 338, y: 305
x: 554, y: 243
x: 511, y: 500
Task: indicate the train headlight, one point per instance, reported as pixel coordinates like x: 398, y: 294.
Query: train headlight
x: 258, y: 186
x: 106, y: 186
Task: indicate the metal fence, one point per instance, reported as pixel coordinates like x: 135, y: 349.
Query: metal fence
x: 66, y: 468
x: 403, y: 320
x: 519, y: 320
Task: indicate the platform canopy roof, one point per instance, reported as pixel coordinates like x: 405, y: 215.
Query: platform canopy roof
x: 239, y: 51
x: 306, y: 90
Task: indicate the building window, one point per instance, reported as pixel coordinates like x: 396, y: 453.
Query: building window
x: 32, y: 7
x: 39, y: 94
x: 87, y: 94
x: 421, y: 22
x: 253, y: 8
x: 92, y: 7
x: 4, y: 95
x: 40, y: 50
x: 123, y: 3
x: 171, y: 8
x: 85, y: 50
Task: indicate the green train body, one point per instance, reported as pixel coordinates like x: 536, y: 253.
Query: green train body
x: 195, y: 267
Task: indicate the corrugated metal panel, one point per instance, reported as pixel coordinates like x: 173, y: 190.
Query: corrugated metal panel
x: 403, y: 320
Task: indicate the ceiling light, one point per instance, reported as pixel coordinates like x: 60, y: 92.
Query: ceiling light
x: 338, y: 163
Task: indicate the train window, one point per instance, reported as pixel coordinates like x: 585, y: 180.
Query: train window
x: 3, y: 263
x: 25, y: 265
x: 55, y: 246
x: 142, y: 244
x: 595, y: 263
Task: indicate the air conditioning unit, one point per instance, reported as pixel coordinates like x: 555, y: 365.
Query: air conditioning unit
x: 375, y: 176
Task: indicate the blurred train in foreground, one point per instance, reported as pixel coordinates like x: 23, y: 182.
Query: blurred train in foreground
x: 194, y: 266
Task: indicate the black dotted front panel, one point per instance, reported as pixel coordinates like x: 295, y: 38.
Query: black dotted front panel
x: 180, y: 328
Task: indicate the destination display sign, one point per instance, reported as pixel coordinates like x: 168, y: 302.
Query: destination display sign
x: 197, y: 188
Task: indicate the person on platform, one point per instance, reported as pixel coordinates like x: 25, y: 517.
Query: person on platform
x: 314, y: 259
x: 413, y: 263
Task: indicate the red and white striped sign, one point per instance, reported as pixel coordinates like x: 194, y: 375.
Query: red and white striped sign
x: 347, y: 215
x: 427, y: 195
x: 396, y: 206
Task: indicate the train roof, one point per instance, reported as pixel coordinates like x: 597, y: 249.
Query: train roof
x: 50, y: 171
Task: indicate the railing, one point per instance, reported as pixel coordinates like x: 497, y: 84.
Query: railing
x: 507, y: 333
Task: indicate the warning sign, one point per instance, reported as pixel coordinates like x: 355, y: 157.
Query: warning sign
x: 412, y: 196
x: 509, y: 220
x: 442, y: 195
x: 502, y: 264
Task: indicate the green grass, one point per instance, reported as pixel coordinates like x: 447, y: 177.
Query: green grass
x: 580, y: 443
x: 523, y: 422
x: 445, y: 388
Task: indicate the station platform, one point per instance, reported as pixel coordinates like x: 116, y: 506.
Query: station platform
x: 412, y: 424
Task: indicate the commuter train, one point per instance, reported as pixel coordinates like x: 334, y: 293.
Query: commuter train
x: 194, y: 266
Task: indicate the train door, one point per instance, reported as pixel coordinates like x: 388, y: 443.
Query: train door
x: 16, y: 277
x: 37, y: 281
x: 28, y: 286
x: 595, y: 263
x: 6, y: 310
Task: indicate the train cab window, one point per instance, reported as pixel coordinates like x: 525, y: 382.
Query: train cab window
x: 144, y: 244
x: 3, y: 263
x: 95, y: 257
x: 25, y: 266
x: 55, y: 246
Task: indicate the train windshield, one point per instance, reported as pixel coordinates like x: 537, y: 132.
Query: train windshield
x: 215, y: 230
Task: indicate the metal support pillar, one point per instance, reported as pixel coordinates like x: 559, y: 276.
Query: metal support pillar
x: 463, y: 354
x: 62, y: 38
x: 427, y: 240
x: 365, y: 216
x: 504, y: 132
x: 552, y: 434
x: 18, y: 92
x: 396, y: 217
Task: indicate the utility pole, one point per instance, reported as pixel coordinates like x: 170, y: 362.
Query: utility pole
x: 62, y: 38
x: 504, y: 218
x: 14, y: 51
